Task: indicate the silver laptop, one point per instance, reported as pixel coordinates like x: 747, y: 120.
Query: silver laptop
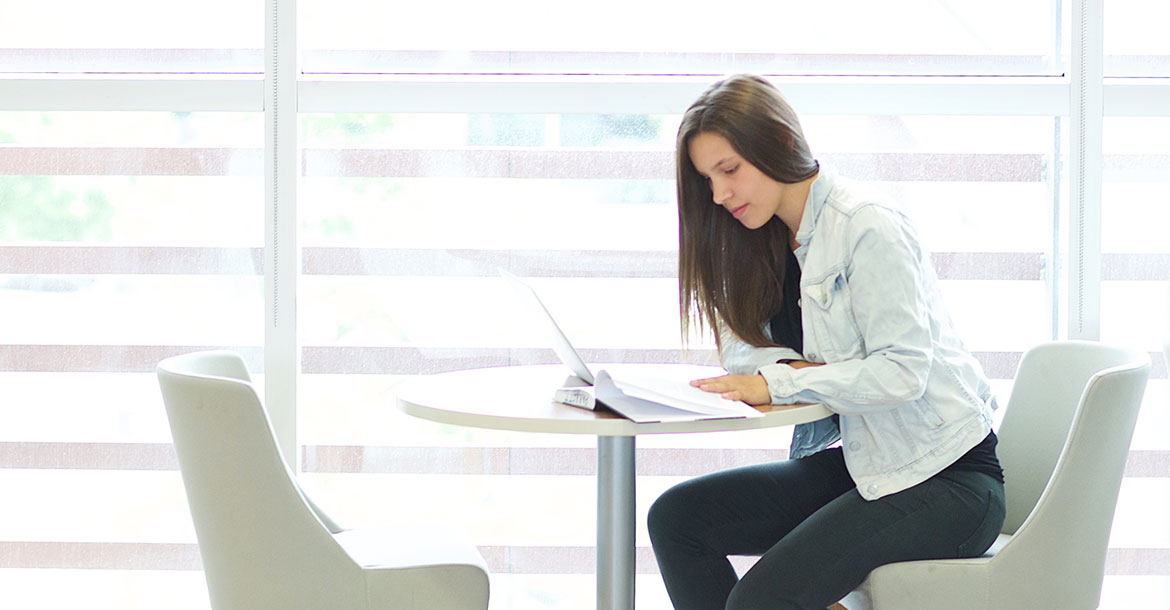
x: 561, y: 346
x: 645, y: 399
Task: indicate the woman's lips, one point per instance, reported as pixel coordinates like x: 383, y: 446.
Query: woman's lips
x: 737, y: 212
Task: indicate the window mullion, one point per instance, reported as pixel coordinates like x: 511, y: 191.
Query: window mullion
x: 282, y: 256
x: 1086, y: 106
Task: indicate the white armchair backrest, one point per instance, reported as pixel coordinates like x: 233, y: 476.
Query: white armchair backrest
x: 261, y: 542
x: 1050, y: 382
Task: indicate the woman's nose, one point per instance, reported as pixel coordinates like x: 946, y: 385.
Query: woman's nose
x: 719, y: 192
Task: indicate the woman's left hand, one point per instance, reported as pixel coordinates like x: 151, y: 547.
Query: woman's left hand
x: 751, y: 389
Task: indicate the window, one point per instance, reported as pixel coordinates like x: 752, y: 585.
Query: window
x: 1133, y: 47
x: 433, y: 150
x: 131, y: 228
x: 656, y: 37
x: 131, y: 37
x: 126, y: 237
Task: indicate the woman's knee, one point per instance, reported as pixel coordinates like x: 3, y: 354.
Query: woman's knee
x: 666, y: 513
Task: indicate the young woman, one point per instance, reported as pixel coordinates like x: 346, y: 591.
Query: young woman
x: 817, y: 291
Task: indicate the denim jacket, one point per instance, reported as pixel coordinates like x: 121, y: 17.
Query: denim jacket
x: 910, y: 399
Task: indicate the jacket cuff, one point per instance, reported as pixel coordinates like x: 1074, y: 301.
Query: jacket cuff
x: 744, y: 359
x: 781, y: 386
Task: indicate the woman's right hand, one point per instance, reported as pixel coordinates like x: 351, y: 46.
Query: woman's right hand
x: 750, y: 389
x: 800, y: 364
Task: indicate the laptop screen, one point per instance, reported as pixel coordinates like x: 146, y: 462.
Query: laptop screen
x: 560, y: 343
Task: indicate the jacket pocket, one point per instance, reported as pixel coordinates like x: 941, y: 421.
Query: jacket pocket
x: 828, y: 307
x: 927, y: 413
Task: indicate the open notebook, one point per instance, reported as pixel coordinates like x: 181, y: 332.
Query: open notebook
x: 643, y: 398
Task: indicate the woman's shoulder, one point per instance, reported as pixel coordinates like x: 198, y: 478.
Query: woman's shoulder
x: 856, y: 211
x: 851, y: 197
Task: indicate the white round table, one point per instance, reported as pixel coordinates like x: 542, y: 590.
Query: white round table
x: 519, y: 398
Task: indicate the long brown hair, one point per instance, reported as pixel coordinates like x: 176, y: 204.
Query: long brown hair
x: 726, y: 272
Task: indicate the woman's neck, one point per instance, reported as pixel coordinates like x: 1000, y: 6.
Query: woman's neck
x: 791, y: 209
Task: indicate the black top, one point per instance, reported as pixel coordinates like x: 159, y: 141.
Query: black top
x: 981, y: 458
x: 787, y: 331
x: 785, y: 325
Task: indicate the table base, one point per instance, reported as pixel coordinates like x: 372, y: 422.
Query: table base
x: 615, y: 522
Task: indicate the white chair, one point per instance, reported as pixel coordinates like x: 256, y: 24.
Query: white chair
x: 264, y: 544
x: 1063, y: 445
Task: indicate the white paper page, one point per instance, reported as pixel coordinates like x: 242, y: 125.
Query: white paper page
x: 643, y: 410
x: 681, y: 395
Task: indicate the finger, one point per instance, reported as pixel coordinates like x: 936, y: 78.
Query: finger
x: 708, y: 382
x: 714, y: 387
x: 722, y: 389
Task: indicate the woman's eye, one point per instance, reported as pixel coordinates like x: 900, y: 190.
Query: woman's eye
x: 732, y: 170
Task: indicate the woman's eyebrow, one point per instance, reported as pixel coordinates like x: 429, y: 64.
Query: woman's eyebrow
x: 722, y: 163
x: 714, y: 168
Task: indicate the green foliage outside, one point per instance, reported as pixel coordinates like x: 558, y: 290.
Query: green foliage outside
x: 32, y: 208
x: 609, y: 129
x: 344, y: 127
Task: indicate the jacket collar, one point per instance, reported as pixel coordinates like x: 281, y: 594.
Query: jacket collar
x: 818, y: 193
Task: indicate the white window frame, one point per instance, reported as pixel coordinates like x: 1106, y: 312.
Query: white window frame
x: 1083, y: 96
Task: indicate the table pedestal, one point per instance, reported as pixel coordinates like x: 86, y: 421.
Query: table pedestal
x: 615, y: 522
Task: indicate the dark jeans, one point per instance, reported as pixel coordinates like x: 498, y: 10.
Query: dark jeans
x: 818, y: 539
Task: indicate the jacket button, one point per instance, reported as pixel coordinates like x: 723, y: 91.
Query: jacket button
x: 854, y: 446
x: 872, y: 489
